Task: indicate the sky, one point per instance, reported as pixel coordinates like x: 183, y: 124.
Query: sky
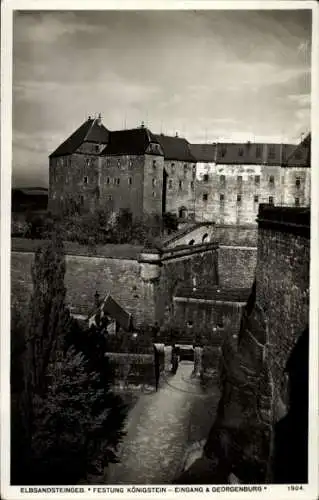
x: 208, y: 75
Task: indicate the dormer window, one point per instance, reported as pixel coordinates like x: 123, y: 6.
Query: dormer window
x: 272, y: 152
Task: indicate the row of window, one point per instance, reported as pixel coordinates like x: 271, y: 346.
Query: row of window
x: 256, y: 199
x: 271, y: 180
x: 181, y: 184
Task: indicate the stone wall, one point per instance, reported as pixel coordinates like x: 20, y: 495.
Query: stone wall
x: 180, y: 186
x: 143, y: 283
x: 121, y: 183
x: 254, y: 384
x: 181, y: 266
x: 87, y: 274
x: 235, y: 235
x: 236, y: 266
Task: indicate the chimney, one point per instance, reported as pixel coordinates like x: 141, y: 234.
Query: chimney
x: 176, y: 135
x: 99, y: 119
x: 142, y: 124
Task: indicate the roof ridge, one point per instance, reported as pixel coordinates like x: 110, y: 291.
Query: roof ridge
x: 89, y: 130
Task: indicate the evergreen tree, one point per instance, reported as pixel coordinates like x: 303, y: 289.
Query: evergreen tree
x: 49, y: 318
x: 72, y: 429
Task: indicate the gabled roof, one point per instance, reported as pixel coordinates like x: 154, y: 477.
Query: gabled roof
x: 301, y: 154
x: 133, y: 141
x: 242, y: 153
x: 175, y: 148
x: 204, y: 152
x: 92, y: 130
x: 109, y: 307
x: 252, y: 153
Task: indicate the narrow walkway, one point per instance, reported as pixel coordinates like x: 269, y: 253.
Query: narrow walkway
x: 157, y: 432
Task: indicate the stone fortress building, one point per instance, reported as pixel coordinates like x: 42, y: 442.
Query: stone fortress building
x: 154, y: 174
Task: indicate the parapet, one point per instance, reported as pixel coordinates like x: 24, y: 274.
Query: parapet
x: 295, y: 220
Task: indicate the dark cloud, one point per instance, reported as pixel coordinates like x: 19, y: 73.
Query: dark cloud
x: 235, y: 75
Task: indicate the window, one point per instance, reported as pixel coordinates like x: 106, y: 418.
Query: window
x: 192, y: 185
x: 110, y: 197
x: 170, y: 184
x: 205, y: 238
x: 239, y: 180
x: 298, y: 182
x: 272, y: 152
x: 222, y: 180
x: 271, y: 180
x: 97, y: 148
x: 258, y: 151
x: 130, y: 164
x: 271, y: 200
x: 173, y: 167
x: 240, y: 152
x: 88, y: 161
x: 108, y: 162
x: 180, y: 185
x: 221, y: 197
x: 154, y: 194
x: 130, y: 181
x: 185, y: 169
x: 257, y: 180
x: 297, y: 202
x: 85, y: 179
x: 118, y: 181
x: 82, y: 200
x: 153, y: 182
x: 154, y: 163
x: 223, y: 151
x: 107, y: 180
x: 205, y: 178
x: 205, y: 197
x: 239, y: 199
x: 256, y: 198
x: 119, y: 163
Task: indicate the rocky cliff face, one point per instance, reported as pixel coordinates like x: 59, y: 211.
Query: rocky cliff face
x: 260, y: 433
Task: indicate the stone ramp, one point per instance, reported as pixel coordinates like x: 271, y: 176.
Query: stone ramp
x: 157, y: 432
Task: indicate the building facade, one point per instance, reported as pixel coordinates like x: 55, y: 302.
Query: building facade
x: 148, y: 174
